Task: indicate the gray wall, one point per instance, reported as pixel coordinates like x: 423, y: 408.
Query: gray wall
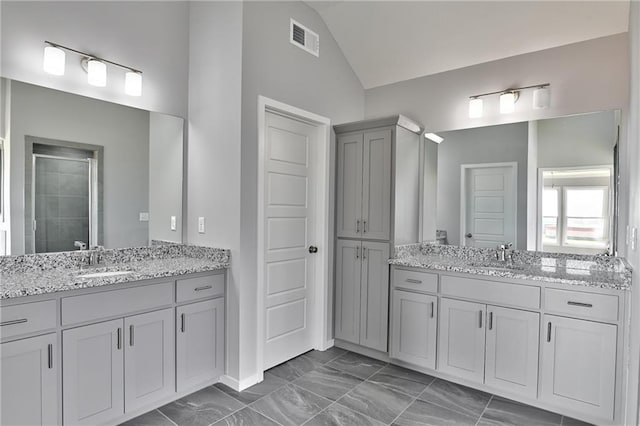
x: 579, y: 140
x: 492, y: 144
x: 165, y: 176
x: 124, y: 133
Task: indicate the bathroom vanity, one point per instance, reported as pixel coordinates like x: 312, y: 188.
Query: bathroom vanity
x: 103, y: 345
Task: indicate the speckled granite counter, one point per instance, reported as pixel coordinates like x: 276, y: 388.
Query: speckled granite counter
x: 591, y: 271
x: 48, y: 273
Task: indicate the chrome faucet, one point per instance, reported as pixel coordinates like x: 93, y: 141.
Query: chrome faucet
x: 504, y: 252
x: 80, y: 244
x: 95, y: 256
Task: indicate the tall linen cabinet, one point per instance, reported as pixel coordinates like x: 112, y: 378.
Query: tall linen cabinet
x: 377, y: 206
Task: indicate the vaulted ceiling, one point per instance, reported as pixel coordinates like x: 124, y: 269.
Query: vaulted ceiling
x: 391, y: 41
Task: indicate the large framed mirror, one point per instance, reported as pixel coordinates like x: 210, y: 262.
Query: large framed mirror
x: 79, y: 172
x: 547, y: 185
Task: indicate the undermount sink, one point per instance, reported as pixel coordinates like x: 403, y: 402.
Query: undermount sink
x: 104, y: 274
x: 499, y: 266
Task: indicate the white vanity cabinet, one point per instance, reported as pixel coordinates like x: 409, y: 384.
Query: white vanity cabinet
x: 414, y: 328
x: 29, y: 378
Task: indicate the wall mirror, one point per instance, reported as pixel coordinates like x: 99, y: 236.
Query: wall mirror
x: 78, y: 172
x: 545, y: 185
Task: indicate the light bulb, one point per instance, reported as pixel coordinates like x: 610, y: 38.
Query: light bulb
x: 475, y: 108
x: 133, y: 83
x: 541, y: 98
x: 96, y: 73
x: 433, y: 137
x: 53, y: 60
x: 507, y: 102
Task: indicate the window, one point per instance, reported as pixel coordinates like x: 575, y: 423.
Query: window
x: 550, y: 216
x: 585, y: 221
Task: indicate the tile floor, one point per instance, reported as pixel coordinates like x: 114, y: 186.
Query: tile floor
x: 336, y: 387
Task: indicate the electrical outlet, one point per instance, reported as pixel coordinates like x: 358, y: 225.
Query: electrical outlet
x: 144, y: 217
x: 173, y: 223
x: 201, y: 225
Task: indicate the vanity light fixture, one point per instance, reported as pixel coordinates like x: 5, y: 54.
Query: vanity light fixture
x: 96, y: 68
x: 433, y: 137
x: 508, y: 99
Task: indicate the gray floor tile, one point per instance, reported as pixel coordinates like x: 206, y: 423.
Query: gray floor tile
x: 255, y: 392
x: 326, y: 356
x: 201, y: 408
x: 376, y: 401
x: 328, y: 382
x: 356, y: 365
x: 456, y: 397
x: 426, y: 413
x: 295, y: 368
x: 502, y: 411
x: 290, y: 405
x: 246, y: 417
x: 568, y: 421
x: 339, y: 415
x: 402, y: 380
x: 152, y: 418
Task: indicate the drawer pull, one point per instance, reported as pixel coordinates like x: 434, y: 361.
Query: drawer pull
x: 206, y: 287
x: 13, y: 322
x: 412, y: 281
x: 119, y: 339
x: 490, y: 320
x: 131, y: 335
x: 433, y: 308
x: 182, y: 323
x: 50, y: 355
x: 480, y: 317
x: 549, y: 331
x: 582, y: 305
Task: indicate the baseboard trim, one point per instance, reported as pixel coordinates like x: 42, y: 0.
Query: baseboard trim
x: 327, y: 344
x: 239, y: 385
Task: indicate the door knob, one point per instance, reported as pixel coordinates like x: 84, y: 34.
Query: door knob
x: 313, y: 249
x: 469, y: 235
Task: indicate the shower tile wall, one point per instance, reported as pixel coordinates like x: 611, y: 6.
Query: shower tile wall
x: 62, y: 204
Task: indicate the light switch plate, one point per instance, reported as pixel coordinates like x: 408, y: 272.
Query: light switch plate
x: 201, y: 225
x: 634, y: 238
x: 144, y: 217
x: 173, y: 223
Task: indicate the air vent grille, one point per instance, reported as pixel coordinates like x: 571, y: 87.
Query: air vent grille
x: 304, y: 38
x: 298, y: 34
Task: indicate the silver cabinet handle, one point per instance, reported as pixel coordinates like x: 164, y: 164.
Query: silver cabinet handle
x: 364, y: 226
x: 358, y: 252
x: 131, y: 335
x: 119, y: 339
x: 411, y: 280
x: 480, y: 318
x: 50, y: 355
x: 364, y: 253
x: 358, y: 226
x: 433, y: 309
x: 13, y: 322
x: 582, y: 305
x: 490, y: 320
x: 549, y: 331
x: 206, y: 287
x: 182, y: 323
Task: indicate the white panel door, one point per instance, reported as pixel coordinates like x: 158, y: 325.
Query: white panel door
x: 374, y: 296
x: 348, y: 285
x: 93, y: 373
x: 290, y: 167
x: 376, y: 190
x: 414, y: 326
x: 462, y: 339
x: 349, y: 194
x: 29, y: 381
x: 579, y: 365
x: 512, y: 350
x: 199, y: 343
x: 149, y: 358
x: 490, y: 206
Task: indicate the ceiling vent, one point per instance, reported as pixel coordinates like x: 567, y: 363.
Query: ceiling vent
x: 304, y: 38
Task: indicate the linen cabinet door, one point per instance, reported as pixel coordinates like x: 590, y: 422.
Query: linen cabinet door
x: 376, y: 190
x: 349, y: 196
x: 579, y: 365
x: 348, y: 285
x: 199, y: 343
x: 148, y: 358
x: 414, y: 325
x: 29, y: 381
x: 92, y: 373
x: 462, y: 339
x: 512, y: 350
x: 374, y: 296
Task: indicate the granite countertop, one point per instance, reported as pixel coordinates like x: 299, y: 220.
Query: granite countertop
x: 151, y: 264
x: 613, y: 273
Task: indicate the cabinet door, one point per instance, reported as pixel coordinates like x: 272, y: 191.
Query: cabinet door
x: 414, y: 325
x: 92, y: 374
x: 512, y: 350
x: 349, y: 196
x: 376, y: 190
x: 374, y: 296
x: 148, y: 358
x: 348, y: 274
x: 199, y: 343
x: 579, y: 365
x: 462, y: 339
x: 29, y: 381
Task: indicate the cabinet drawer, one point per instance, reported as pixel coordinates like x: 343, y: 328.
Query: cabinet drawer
x: 496, y: 292
x: 415, y: 280
x: 115, y: 303
x: 591, y: 305
x: 199, y: 288
x: 27, y: 318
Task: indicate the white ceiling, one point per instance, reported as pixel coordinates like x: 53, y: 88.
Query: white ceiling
x: 391, y: 41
